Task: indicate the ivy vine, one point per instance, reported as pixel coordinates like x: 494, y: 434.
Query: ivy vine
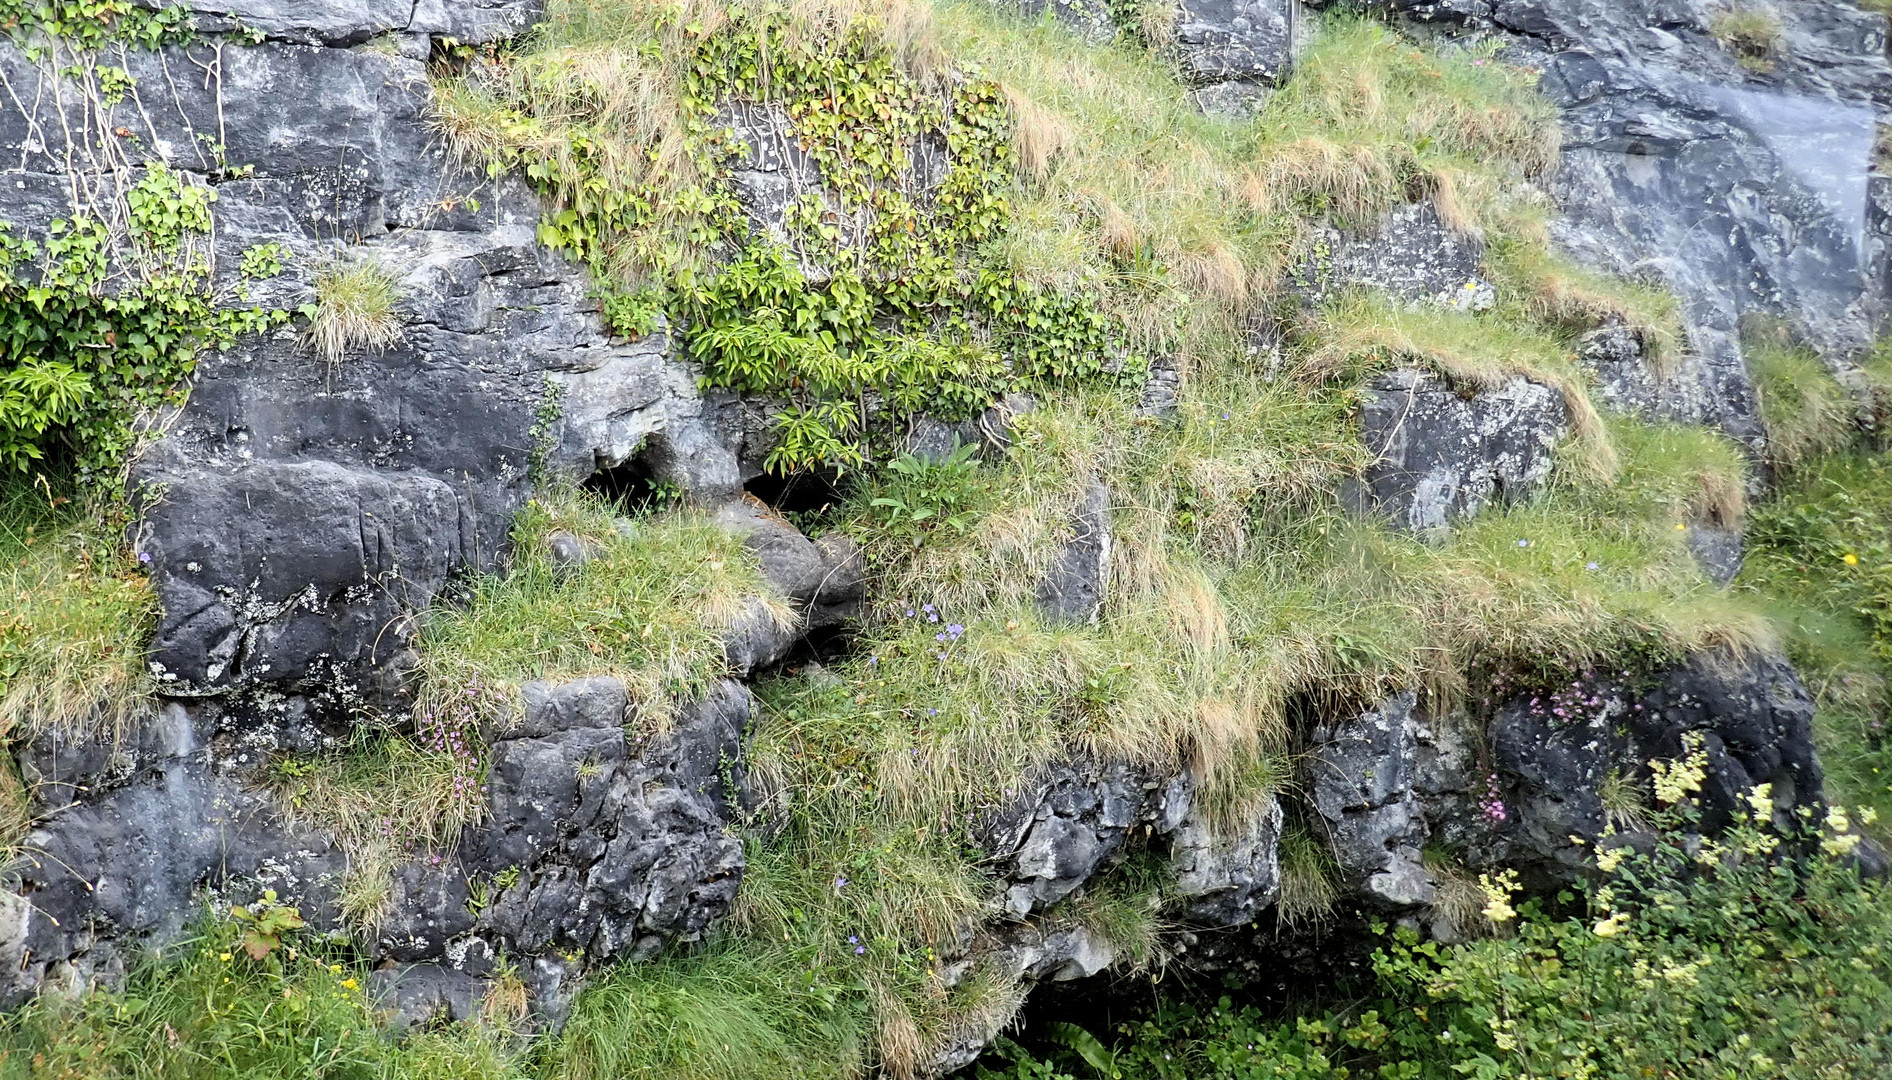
x: 878, y: 296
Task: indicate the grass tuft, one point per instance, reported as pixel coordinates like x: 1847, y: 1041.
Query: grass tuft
x: 356, y: 308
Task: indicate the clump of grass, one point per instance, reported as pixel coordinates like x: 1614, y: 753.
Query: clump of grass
x: 1145, y: 191
x: 1358, y: 333
x: 75, y: 613
x: 1538, y: 285
x: 387, y: 797
x: 1369, y: 120
x: 1752, y: 34
x: 357, y: 307
x: 1806, y: 410
x: 1458, y: 905
x: 1820, y: 559
x: 650, y: 606
x: 1309, y: 885
x: 738, y: 1012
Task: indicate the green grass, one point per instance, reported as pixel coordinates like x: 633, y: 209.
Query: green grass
x: 1240, y: 587
x: 1821, y: 559
x: 1807, y: 412
x: 356, y: 308
x: 203, y: 1010
x: 650, y: 606
x: 75, y: 613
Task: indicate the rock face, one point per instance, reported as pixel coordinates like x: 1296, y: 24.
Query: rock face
x: 1443, y: 455
x: 590, y: 842
x: 1411, y: 257
x: 1742, y: 188
x: 300, y: 511
x: 1073, y: 587
x: 1365, y: 791
x: 1234, y: 49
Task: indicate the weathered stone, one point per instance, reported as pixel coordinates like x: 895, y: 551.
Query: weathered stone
x: 1738, y: 189
x: 415, y: 996
x: 823, y: 578
x: 1074, y: 586
x: 1227, y: 880
x: 1363, y: 788
x: 1089, y: 18
x: 1443, y: 455
x: 1052, y: 838
x: 1411, y: 256
x: 1221, y: 41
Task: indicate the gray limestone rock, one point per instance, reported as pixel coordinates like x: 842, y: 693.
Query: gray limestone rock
x: 1223, y: 41
x: 1411, y: 256
x: 1741, y: 190
x: 1445, y: 455
x: 299, y: 512
x: 822, y: 578
x: 1363, y: 787
x: 1076, y: 583
x: 1227, y: 880
x: 1090, y: 19
x: 594, y: 841
x: 1052, y: 838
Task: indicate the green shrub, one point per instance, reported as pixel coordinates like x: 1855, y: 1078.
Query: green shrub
x: 1758, y: 952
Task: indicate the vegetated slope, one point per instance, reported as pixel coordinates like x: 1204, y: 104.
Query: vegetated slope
x: 1090, y: 226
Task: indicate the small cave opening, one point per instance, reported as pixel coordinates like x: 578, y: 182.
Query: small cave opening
x: 634, y: 485
x: 799, y: 493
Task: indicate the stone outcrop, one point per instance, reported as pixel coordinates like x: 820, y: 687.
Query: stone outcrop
x: 1443, y: 455
x: 1741, y: 188
x: 299, y: 515
x: 591, y: 841
x: 299, y: 512
x: 1411, y: 257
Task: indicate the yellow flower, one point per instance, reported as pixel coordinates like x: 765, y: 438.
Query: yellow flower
x: 225, y: 957
x: 1868, y: 816
x: 1849, y: 559
x: 1611, y: 926
x: 1608, y: 861
x: 350, y: 984
x: 1498, y: 892
x: 1679, y: 527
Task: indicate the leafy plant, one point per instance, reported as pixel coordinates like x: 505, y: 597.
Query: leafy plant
x: 922, y: 493
x: 265, y: 922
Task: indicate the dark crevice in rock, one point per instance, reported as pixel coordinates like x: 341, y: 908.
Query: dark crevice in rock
x: 809, y: 492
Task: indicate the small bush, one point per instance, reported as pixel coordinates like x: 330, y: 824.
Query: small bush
x: 356, y: 307
x: 1758, y: 952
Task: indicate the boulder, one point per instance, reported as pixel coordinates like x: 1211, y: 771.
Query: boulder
x: 1444, y: 455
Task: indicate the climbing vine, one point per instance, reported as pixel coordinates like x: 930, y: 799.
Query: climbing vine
x: 104, y: 310
x: 879, y: 293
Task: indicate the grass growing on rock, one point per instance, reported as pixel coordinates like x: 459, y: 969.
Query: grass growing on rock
x: 75, y: 613
x: 649, y: 604
x: 203, y: 1010
x: 1241, y: 588
x: 356, y: 308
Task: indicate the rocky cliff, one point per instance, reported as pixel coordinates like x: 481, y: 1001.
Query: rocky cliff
x: 1171, y: 642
